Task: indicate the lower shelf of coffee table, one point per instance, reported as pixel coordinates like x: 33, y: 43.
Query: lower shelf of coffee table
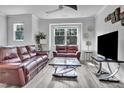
x: 65, y: 72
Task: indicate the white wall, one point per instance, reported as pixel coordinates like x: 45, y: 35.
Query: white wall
x: 102, y: 28
x: 87, y: 23
x: 3, y: 29
x: 30, y: 27
x: 35, y: 27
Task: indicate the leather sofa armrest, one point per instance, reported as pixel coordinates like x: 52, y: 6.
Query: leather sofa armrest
x: 55, y: 53
x: 41, y: 53
x: 10, y: 65
x: 12, y: 73
x: 78, y: 53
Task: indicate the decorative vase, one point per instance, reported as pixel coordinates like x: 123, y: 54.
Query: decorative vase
x: 43, y: 41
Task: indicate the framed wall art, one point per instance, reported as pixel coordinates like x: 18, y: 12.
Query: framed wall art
x: 117, y: 14
x: 106, y: 19
x: 122, y: 22
x: 122, y: 15
x: 113, y: 19
x: 109, y: 17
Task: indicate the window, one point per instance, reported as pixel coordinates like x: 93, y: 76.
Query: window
x: 59, y: 36
x: 71, y: 36
x: 66, y: 35
x: 18, y: 29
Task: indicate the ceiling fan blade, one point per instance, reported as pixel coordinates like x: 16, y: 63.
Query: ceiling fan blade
x: 60, y: 8
x: 72, y: 6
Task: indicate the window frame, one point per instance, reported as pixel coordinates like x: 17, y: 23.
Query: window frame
x: 65, y: 35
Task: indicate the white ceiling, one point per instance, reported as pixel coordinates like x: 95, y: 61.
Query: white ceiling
x: 40, y: 10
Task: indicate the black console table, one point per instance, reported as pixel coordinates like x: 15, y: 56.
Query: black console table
x: 103, y: 75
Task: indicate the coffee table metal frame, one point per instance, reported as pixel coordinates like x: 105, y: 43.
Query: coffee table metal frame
x: 65, y: 69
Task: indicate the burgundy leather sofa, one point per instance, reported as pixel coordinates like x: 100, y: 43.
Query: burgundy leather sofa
x: 18, y: 65
x: 67, y: 51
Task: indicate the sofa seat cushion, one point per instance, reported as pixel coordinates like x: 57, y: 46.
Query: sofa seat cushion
x: 71, y: 55
x: 38, y: 59
x: 32, y: 63
x: 29, y: 65
x: 61, y: 51
x: 12, y: 60
x: 72, y: 48
x: 28, y: 68
x: 66, y: 54
x: 40, y: 53
x: 71, y: 51
x: 61, y: 54
x: 27, y: 62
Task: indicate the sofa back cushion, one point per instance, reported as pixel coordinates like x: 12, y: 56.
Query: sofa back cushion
x: 61, y: 49
x: 32, y: 50
x: 72, y: 49
x: 9, y: 55
x: 23, y: 53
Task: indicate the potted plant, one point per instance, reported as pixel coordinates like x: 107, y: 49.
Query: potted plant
x: 37, y: 38
x: 40, y: 39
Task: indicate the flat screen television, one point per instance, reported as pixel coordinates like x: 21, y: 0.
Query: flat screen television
x: 108, y: 45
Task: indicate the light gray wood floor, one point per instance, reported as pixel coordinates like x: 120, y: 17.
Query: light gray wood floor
x: 86, y: 79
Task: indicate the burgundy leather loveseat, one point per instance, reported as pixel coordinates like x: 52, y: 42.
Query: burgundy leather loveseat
x: 18, y: 65
x: 67, y: 51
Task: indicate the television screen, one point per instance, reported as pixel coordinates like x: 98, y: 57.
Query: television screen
x: 108, y: 45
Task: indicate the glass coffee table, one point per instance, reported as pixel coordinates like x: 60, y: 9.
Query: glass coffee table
x: 65, y: 67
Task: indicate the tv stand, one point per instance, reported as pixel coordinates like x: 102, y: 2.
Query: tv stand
x: 104, y: 75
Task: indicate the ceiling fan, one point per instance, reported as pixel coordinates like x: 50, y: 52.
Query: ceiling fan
x: 60, y: 7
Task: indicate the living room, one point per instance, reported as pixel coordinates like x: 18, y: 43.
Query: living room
x: 67, y: 30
